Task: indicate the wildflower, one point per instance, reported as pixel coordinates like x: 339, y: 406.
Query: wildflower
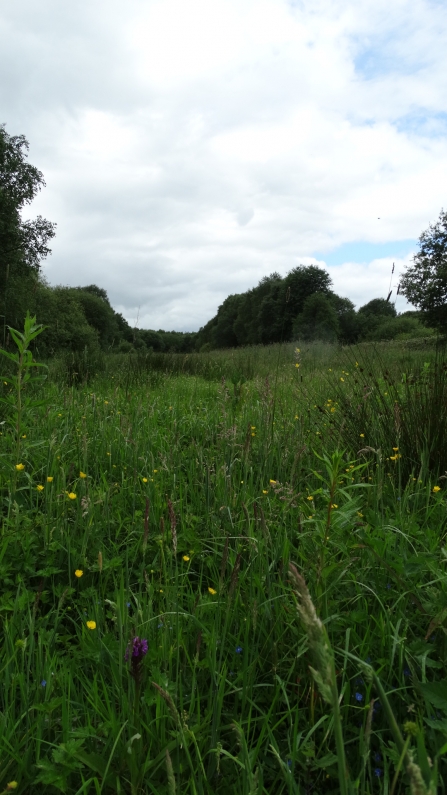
x: 362, y: 435
x: 436, y: 489
x: 310, y: 497
x: 79, y: 573
x: 297, y: 365
x: 71, y: 495
x: 296, y: 416
x: 358, y: 697
x: 273, y: 482
x: 91, y: 624
x: 43, y: 683
x: 24, y: 436
x: 253, y: 427
x: 20, y: 467
x: 12, y: 785
x: 106, y: 402
x: 40, y: 487
x: 82, y: 475
x: 333, y: 505
x: 144, y: 480
x: 395, y: 449
x: 212, y: 591
x: 155, y: 470
x: 238, y: 649
x: 139, y: 649
x: 253, y: 434
x: 186, y: 558
x: 161, y: 590
x: 342, y: 379
x: 50, y: 479
x: 377, y: 772
x: 264, y: 491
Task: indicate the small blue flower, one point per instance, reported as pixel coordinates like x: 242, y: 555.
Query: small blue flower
x: 238, y: 649
x: 358, y: 697
x: 377, y: 757
x: 377, y: 772
x: 43, y: 683
x: 159, y: 625
x: 289, y: 763
x: 127, y: 604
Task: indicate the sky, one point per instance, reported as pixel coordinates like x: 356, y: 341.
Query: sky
x: 191, y: 148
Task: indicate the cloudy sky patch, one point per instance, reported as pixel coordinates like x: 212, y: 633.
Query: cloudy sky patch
x: 190, y: 149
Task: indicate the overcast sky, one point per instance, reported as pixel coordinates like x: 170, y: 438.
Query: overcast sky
x: 191, y: 147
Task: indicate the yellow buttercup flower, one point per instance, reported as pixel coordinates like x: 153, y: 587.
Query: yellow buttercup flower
x: 186, y: 558
x: 310, y: 497
x: 395, y: 449
x: 79, y: 573
x: 20, y: 467
x: 49, y: 479
x: 71, y: 495
x: 144, y: 480
x: 91, y: 624
x: 273, y: 482
x: 264, y: 491
x: 436, y: 488
x: 82, y: 475
x: 40, y: 487
x: 362, y: 435
x: 212, y: 591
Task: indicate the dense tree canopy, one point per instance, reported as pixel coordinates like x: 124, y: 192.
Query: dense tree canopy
x: 424, y: 283
x: 23, y: 244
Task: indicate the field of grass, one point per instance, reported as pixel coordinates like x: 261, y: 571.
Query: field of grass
x: 154, y: 639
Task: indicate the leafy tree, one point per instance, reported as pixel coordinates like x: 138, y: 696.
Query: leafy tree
x: 23, y: 244
x: 372, y: 315
x: 424, y: 283
x: 98, y: 313
x: 348, y: 326
x: 378, y: 307
x: 318, y: 320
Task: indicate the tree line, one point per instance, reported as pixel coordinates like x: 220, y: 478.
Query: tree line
x: 301, y: 305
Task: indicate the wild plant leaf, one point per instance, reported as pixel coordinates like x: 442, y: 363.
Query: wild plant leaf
x: 435, y: 693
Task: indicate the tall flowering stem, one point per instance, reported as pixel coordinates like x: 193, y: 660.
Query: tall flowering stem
x: 324, y: 671
x: 135, y: 653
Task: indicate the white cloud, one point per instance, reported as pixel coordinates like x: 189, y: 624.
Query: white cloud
x: 190, y: 149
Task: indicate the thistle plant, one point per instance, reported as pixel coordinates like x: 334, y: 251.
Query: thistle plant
x: 17, y: 404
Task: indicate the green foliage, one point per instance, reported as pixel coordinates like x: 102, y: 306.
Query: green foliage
x: 23, y: 244
x: 182, y: 501
x: 424, y: 283
x: 318, y: 320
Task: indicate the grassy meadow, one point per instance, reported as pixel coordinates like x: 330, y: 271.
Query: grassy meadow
x: 154, y: 639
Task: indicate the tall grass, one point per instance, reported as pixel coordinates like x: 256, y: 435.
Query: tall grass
x: 182, y: 499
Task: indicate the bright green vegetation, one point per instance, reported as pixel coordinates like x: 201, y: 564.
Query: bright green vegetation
x: 181, y: 488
